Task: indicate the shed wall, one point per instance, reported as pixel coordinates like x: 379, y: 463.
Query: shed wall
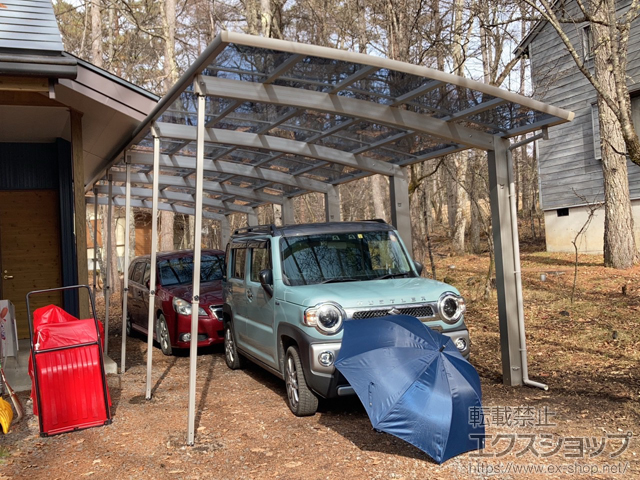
x: 570, y: 174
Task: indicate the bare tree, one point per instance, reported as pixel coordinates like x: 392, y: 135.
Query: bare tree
x: 610, y: 28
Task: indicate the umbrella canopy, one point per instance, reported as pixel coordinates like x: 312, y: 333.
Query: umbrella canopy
x: 413, y: 383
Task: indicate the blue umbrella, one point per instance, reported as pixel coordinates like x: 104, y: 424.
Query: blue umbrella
x: 414, y: 384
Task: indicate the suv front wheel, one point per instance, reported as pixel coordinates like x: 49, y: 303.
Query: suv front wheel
x: 302, y: 401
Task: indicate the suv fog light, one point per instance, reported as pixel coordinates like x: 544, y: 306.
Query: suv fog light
x: 185, y: 337
x: 326, y: 359
x: 461, y: 344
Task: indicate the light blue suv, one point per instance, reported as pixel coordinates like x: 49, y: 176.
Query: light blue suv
x: 288, y: 291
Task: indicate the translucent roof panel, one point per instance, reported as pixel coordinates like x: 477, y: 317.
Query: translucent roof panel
x: 283, y: 119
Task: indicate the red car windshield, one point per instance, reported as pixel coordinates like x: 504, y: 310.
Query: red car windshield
x: 179, y: 271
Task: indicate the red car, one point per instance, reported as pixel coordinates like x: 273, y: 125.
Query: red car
x: 174, y: 276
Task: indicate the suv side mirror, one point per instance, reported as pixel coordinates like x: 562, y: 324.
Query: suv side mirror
x: 419, y: 267
x: 266, y: 280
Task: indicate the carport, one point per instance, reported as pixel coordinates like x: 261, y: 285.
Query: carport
x: 258, y: 121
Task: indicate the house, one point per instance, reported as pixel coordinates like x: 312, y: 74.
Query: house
x: 60, y: 120
x: 569, y: 162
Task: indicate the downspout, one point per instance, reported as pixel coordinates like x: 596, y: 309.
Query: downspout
x: 518, y: 279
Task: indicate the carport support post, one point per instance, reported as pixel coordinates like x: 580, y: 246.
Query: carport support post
x: 125, y: 286
x: 252, y: 218
x: 197, y: 257
x: 499, y: 179
x: 288, y: 212
x: 225, y: 232
x: 332, y: 205
x: 107, y: 282
x: 400, y: 215
x: 154, y: 248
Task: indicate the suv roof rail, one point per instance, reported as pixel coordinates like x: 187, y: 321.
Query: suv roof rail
x: 256, y: 229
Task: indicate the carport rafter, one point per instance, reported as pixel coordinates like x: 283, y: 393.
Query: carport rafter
x: 170, y: 196
x: 278, y: 144
x: 350, y: 107
x: 212, y: 187
x: 231, y: 168
x: 169, y: 207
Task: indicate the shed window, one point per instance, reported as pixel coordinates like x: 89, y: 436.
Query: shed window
x: 595, y: 125
x: 563, y: 212
x: 587, y: 42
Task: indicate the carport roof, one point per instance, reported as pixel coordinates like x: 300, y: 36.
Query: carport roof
x: 284, y: 118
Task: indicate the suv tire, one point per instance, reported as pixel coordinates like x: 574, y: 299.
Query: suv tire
x: 231, y: 357
x: 302, y: 401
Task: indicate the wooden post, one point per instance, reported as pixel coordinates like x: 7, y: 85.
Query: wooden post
x: 80, y: 211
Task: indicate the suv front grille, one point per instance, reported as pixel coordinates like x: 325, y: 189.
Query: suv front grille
x: 420, y: 311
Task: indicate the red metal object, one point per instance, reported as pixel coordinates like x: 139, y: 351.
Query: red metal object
x: 69, y: 388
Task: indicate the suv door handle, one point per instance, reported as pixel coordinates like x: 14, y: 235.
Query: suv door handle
x: 249, y: 294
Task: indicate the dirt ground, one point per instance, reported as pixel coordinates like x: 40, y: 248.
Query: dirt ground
x: 586, y: 425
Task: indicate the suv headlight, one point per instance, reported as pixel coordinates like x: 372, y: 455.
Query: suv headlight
x: 184, y: 308
x: 451, y: 307
x: 326, y: 317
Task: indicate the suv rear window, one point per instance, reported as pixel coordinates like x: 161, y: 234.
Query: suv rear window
x: 238, y: 261
x: 260, y: 260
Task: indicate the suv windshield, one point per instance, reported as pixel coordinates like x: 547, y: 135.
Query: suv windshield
x: 342, y: 257
x: 178, y: 271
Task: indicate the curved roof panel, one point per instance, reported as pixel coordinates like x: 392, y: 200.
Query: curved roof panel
x: 284, y: 118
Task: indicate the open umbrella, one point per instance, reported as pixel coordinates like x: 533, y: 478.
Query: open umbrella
x: 413, y: 383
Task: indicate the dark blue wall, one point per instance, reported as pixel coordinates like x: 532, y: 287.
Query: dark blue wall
x: 28, y: 166
x: 40, y: 166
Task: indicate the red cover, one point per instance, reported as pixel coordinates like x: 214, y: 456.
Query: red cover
x: 70, y: 380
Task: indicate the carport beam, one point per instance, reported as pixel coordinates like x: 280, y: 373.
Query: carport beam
x: 332, y: 205
x: 125, y: 268
x: 400, y: 215
x: 499, y: 180
x: 154, y: 248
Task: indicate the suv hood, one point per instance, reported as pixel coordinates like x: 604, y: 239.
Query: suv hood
x: 369, y: 293
x: 210, y: 292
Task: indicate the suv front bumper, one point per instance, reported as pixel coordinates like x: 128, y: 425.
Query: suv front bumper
x: 327, y: 382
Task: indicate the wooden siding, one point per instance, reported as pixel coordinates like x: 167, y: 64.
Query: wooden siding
x: 570, y: 174
x: 29, y: 25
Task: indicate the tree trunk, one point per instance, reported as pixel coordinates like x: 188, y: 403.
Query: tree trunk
x: 169, y: 27
x: 475, y: 184
x: 96, y: 34
x: 459, y: 162
x: 378, y: 194
x: 165, y: 242
x: 112, y: 257
x: 619, y: 242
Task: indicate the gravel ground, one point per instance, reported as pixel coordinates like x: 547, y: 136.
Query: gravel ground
x: 246, y: 431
